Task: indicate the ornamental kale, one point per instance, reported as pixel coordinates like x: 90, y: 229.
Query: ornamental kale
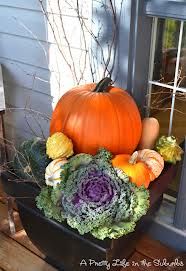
x: 116, y: 230
x: 100, y: 199
x: 96, y: 198
x: 48, y: 201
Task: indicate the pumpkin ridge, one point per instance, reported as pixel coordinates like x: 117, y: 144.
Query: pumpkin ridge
x: 116, y: 117
x: 58, y: 112
x: 88, y: 96
x: 153, y: 160
x: 71, y: 109
x: 132, y: 121
x: 133, y: 128
x: 128, y: 116
x: 85, y: 103
x: 152, y: 157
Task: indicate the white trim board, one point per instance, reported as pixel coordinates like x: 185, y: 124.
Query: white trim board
x: 2, y: 95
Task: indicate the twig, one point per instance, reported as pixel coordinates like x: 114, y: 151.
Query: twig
x: 30, y: 111
x: 165, y: 109
x: 54, y: 34
x: 67, y: 41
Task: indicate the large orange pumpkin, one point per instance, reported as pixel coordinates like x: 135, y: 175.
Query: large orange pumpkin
x: 98, y: 115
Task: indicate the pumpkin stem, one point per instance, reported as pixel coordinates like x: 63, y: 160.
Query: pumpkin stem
x: 103, y: 85
x: 133, y: 158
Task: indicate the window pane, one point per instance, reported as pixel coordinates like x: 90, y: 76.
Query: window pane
x: 167, y: 37
x: 179, y: 119
x: 163, y: 115
x: 166, y: 50
x: 166, y: 46
x: 182, y: 67
x: 178, y: 129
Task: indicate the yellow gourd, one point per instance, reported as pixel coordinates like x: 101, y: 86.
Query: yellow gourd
x: 59, y: 146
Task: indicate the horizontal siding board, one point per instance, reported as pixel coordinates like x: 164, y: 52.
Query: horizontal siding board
x: 27, y: 123
x: 67, y: 7
x: 12, y: 22
x: 26, y: 76
x: 31, y: 4
x: 35, y: 53
x: 20, y: 97
x: 35, y: 79
x: 29, y: 24
x: 32, y: 53
x: 24, y: 50
x: 15, y: 135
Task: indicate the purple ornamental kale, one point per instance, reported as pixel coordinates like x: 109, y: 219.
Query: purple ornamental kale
x: 96, y: 188
x: 94, y: 195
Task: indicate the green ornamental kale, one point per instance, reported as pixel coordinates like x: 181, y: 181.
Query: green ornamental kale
x: 100, y: 199
x: 49, y: 198
x: 31, y: 160
x: 140, y: 205
x: 75, y: 162
x: 48, y: 201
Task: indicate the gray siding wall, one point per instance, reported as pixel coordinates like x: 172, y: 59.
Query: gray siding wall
x: 32, y: 64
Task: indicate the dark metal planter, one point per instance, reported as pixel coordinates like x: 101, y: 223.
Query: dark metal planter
x: 64, y: 247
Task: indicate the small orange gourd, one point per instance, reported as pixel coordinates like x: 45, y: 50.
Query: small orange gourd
x: 136, y: 170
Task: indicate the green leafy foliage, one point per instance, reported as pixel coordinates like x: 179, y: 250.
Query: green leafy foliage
x: 31, y: 160
x: 48, y: 202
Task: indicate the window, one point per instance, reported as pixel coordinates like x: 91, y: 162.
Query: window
x: 167, y: 78
x: 166, y: 101
x: 167, y: 84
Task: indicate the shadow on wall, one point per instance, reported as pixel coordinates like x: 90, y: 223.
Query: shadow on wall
x: 112, y: 28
